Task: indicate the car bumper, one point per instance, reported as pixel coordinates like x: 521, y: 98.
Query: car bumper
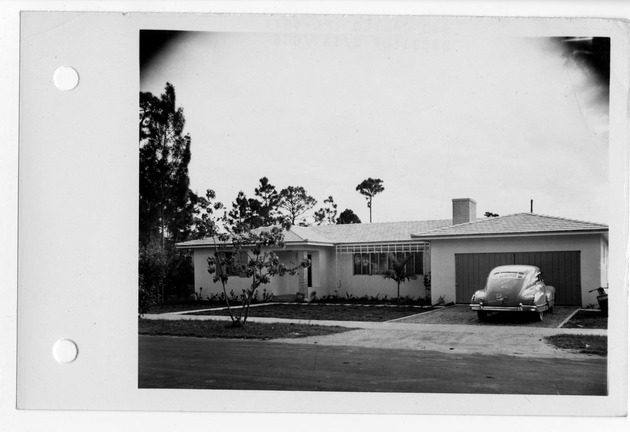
x: 520, y: 308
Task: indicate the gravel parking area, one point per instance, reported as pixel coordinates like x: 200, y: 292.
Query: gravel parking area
x: 461, y: 314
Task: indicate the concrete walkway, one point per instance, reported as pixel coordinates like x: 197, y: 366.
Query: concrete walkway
x: 393, y: 325
x: 518, y: 341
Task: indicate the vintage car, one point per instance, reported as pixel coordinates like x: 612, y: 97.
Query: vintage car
x: 514, y: 288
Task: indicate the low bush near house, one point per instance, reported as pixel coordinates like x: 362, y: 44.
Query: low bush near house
x: 369, y: 300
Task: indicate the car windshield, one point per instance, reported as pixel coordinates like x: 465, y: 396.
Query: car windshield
x: 508, y: 275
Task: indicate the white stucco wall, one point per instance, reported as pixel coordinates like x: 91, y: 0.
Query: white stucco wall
x: 371, y: 285
x: 323, y: 270
x: 322, y: 258
x: 591, y: 247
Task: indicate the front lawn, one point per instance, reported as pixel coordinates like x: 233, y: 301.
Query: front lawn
x: 181, y: 306
x: 585, y: 344
x: 223, y: 329
x: 590, y: 319
x: 327, y: 312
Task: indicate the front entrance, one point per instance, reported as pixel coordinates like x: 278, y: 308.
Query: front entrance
x: 309, y: 272
x: 560, y: 269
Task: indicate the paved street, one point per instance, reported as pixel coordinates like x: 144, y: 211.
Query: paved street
x: 196, y: 363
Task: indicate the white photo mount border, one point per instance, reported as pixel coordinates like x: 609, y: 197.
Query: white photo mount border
x: 78, y: 187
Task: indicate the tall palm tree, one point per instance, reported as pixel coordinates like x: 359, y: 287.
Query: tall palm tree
x: 369, y: 188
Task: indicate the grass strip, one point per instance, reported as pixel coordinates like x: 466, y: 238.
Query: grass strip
x: 329, y: 312
x: 585, y: 344
x: 587, y: 319
x: 223, y: 329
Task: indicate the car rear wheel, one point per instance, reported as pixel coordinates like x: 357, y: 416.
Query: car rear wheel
x: 482, y: 315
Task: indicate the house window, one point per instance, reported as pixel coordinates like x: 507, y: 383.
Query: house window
x: 378, y: 263
x: 237, y: 262
x: 418, y: 262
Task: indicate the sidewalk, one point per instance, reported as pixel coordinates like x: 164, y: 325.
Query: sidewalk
x: 391, y: 325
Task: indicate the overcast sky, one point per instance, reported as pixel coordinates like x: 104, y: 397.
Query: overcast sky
x: 501, y: 121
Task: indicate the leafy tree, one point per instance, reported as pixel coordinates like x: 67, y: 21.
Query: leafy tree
x: 369, y: 188
x: 261, y: 262
x: 348, y: 217
x: 327, y: 214
x: 296, y: 202
x: 166, y: 202
x: 205, y: 215
x: 398, y: 272
x: 490, y: 214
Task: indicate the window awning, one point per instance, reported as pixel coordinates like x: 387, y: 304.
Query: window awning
x: 344, y: 249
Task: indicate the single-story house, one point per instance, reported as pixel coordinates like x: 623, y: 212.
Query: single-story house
x: 458, y: 253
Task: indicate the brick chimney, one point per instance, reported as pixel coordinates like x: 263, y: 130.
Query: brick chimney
x: 464, y: 210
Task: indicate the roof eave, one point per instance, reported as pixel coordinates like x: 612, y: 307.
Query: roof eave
x: 229, y: 245
x: 200, y: 246
x: 512, y: 234
x: 368, y: 242
x: 308, y: 243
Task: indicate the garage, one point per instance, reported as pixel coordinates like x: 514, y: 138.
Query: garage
x: 572, y: 254
x: 560, y: 269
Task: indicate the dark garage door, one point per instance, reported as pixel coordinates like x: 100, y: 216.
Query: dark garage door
x: 560, y: 269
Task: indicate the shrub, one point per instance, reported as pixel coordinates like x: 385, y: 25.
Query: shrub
x: 179, y: 276
x: 152, y: 265
x: 145, y: 297
x: 266, y: 297
x: 427, y: 287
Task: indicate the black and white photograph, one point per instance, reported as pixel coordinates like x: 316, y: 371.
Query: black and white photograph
x: 368, y: 215
x: 374, y: 208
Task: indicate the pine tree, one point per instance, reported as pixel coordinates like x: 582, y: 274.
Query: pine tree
x: 296, y: 202
x: 166, y: 202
